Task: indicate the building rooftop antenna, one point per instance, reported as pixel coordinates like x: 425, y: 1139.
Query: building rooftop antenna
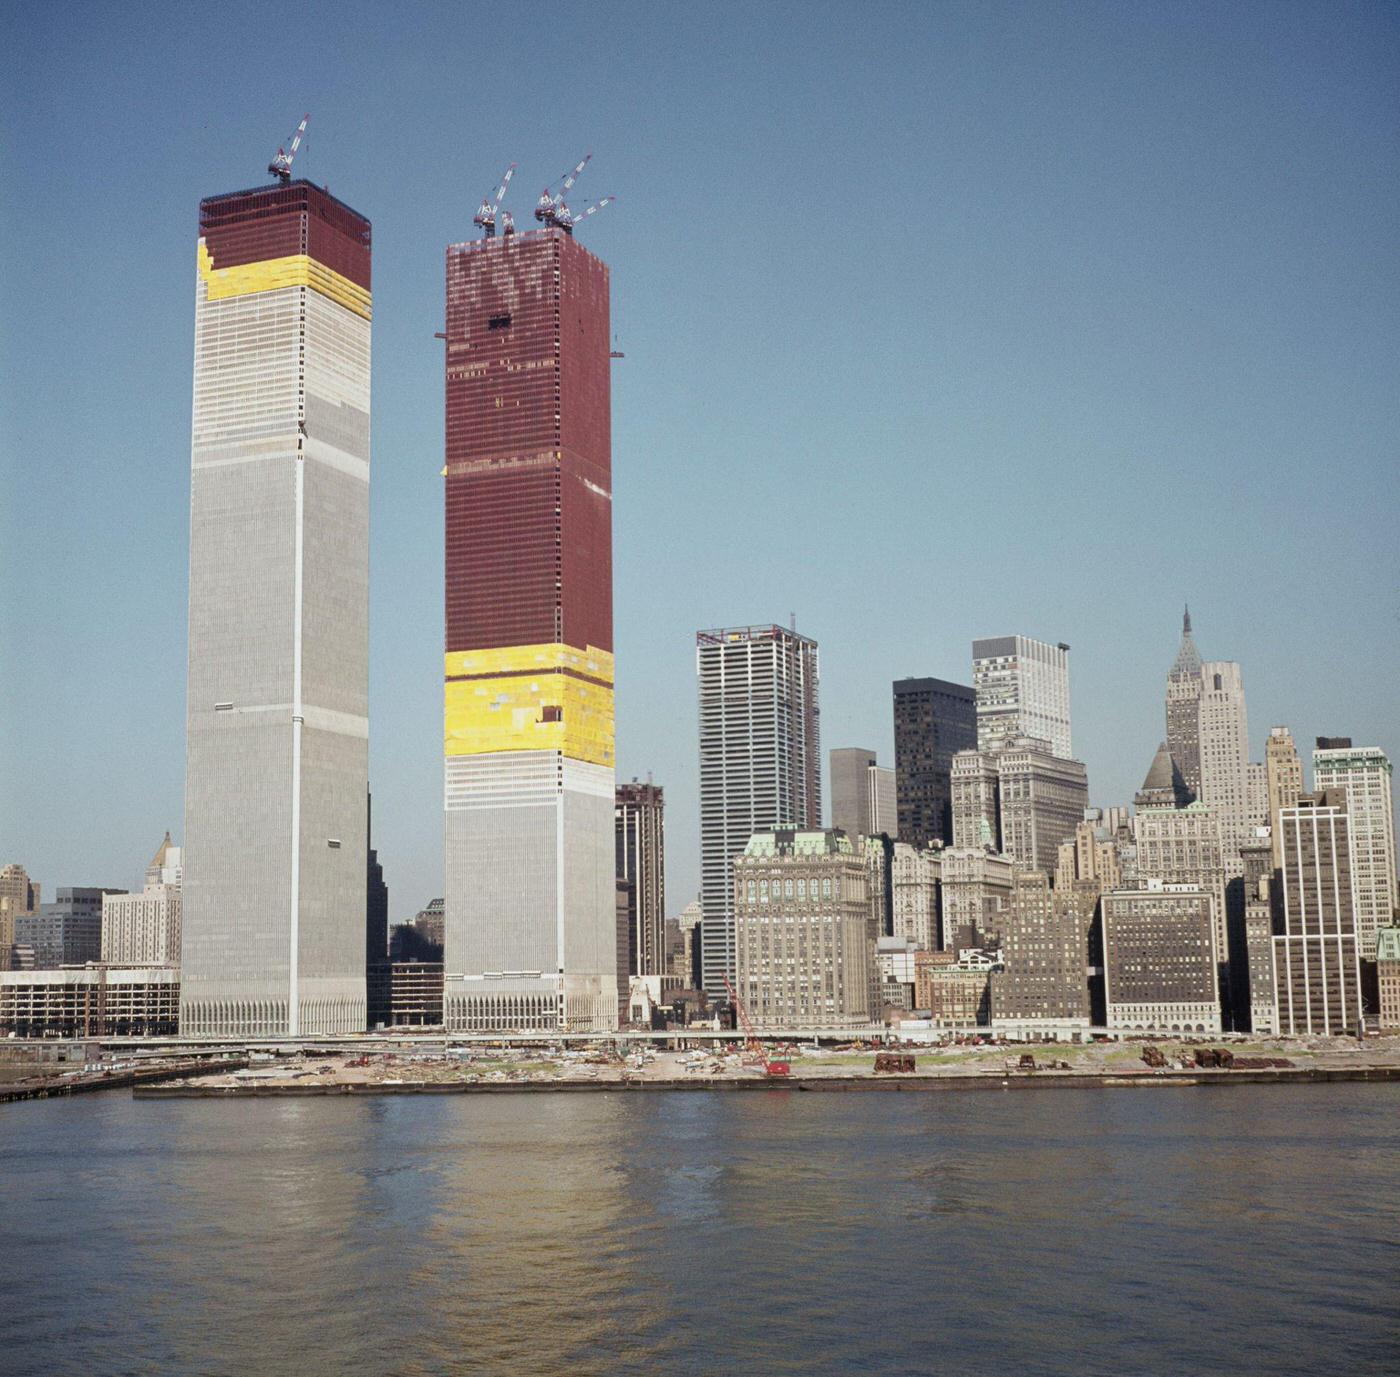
x: 486, y: 216
x: 281, y: 165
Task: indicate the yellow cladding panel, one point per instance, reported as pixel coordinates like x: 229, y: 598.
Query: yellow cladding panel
x: 522, y: 712
x: 298, y: 270
x: 597, y: 664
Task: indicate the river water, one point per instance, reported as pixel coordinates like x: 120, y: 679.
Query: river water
x: 1163, y: 1231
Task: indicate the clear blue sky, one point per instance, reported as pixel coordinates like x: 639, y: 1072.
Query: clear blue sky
x: 940, y: 321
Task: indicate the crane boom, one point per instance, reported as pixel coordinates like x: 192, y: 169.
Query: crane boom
x: 486, y: 215
x: 549, y: 205
x: 281, y: 165
x: 567, y: 220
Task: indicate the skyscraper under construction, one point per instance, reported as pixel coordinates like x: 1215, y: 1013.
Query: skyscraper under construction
x: 277, y: 727
x: 530, y: 932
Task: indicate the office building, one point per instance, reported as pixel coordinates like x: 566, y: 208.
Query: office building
x: 1388, y: 976
x: 277, y: 726
x: 954, y: 993
x: 1022, y: 689
x: 686, y: 965
x: 1182, y: 846
x: 805, y: 934
x: 1225, y: 774
x: 90, y: 1001
x: 66, y: 932
x: 975, y: 893
x: 1283, y: 779
x: 933, y: 721
x: 915, y: 875
x: 1363, y: 774
x: 1316, y: 959
x: 1091, y: 854
x: 639, y: 835
x: 1043, y: 986
x: 760, y: 761
x: 144, y: 929
x: 862, y: 794
x: 528, y: 703
x: 18, y: 894
x: 1251, y: 931
x: 1022, y: 797
x: 1160, y: 960
x: 1184, y: 715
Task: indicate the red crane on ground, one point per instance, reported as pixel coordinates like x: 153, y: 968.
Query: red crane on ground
x: 751, y: 1042
x: 281, y: 165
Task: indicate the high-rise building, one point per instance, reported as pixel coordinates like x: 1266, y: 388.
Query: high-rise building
x: 1184, y: 714
x: 1181, y: 846
x: 144, y: 929
x: 18, y: 894
x: 1225, y: 784
x: 1316, y: 958
x: 66, y: 932
x: 974, y: 892
x: 933, y: 721
x: 1251, y: 926
x: 862, y: 794
x: 687, y: 965
x: 1022, y: 689
x: 1388, y: 976
x: 760, y: 761
x: 1159, y: 960
x: 1283, y: 775
x: 1363, y: 773
x: 528, y: 720
x: 639, y: 830
x: 1022, y: 797
x: 277, y: 725
x: 915, y: 875
x: 1162, y: 787
x: 805, y: 931
x: 1044, y: 981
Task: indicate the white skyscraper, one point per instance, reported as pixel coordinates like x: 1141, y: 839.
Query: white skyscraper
x: 1224, y: 756
x: 274, y: 857
x: 1022, y: 689
x: 760, y: 762
x: 1364, y: 772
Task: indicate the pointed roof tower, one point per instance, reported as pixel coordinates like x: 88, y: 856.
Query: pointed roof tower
x: 1159, y: 789
x: 1188, y: 658
x: 158, y: 860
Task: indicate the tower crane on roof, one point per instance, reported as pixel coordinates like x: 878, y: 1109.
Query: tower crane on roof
x: 548, y: 206
x: 281, y: 165
x: 568, y: 221
x: 486, y: 216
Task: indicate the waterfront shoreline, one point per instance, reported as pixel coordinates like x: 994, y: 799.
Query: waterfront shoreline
x: 1017, y: 1080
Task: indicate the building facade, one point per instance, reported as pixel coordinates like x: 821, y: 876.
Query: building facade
x: 760, y: 762
x: 1388, y: 976
x: 1184, y: 714
x: 1283, y: 782
x: 953, y: 994
x: 975, y: 892
x: 639, y: 834
x: 1225, y: 772
x: 1044, y: 984
x: 1022, y: 689
x: 1182, y: 846
x: 529, y: 787
x: 144, y: 929
x: 18, y: 895
x: 1316, y: 947
x: 277, y: 717
x: 1363, y: 774
x: 1160, y: 960
x: 805, y: 932
x: 915, y: 876
x: 91, y: 1001
x: 67, y: 931
x: 933, y: 721
x: 862, y: 794
x: 1252, y: 947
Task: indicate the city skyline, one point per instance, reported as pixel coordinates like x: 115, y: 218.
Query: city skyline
x: 123, y: 568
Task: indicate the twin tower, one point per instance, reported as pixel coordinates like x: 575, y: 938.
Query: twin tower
x: 277, y: 729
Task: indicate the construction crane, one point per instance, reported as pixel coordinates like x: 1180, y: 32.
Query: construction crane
x: 751, y: 1042
x: 281, y: 165
x: 547, y: 208
x: 486, y: 216
x: 568, y: 221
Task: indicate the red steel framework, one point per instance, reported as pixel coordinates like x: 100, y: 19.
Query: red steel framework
x: 529, y: 445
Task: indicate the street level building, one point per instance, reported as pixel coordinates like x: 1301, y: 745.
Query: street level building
x: 639, y: 834
x: 933, y: 721
x: 1022, y: 688
x: 277, y: 726
x: 1043, y: 984
x: 1316, y: 959
x: 1363, y: 774
x: 90, y: 1001
x: 760, y: 762
x: 862, y: 794
x: 529, y: 783
x: 953, y: 994
x: 1160, y: 960
x: 805, y: 935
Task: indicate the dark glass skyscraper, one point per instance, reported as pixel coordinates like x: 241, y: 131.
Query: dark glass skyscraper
x: 933, y: 721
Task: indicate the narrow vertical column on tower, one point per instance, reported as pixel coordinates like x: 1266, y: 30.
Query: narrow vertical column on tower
x: 530, y: 928
x: 277, y: 726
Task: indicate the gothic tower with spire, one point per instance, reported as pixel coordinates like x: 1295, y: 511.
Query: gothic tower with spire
x: 1184, y: 686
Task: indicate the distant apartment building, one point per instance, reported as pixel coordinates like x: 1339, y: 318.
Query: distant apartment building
x: 862, y: 794
x: 1160, y: 960
x: 1283, y: 782
x: 18, y: 895
x: 144, y: 928
x: 66, y: 932
x: 933, y: 721
x: 639, y: 825
x: 1388, y: 976
x: 975, y: 889
x: 805, y: 933
x: 1316, y: 954
x: 760, y: 762
x: 1043, y: 985
x: 1022, y: 689
x: 1022, y: 795
x: 1363, y: 773
x: 915, y: 874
